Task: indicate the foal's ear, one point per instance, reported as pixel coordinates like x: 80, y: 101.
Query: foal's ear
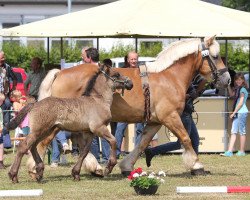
x: 106, y: 68
x: 209, y: 40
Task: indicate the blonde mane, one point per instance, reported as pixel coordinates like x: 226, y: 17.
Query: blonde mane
x: 172, y: 53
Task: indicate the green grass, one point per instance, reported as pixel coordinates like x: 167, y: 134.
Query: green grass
x: 58, y: 184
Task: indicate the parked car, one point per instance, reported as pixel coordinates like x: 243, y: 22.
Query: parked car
x: 21, y: 77
x: 119, y: 61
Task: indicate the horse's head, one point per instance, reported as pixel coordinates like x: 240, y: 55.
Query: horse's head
x: 118, y: 80
x: 213, y: 68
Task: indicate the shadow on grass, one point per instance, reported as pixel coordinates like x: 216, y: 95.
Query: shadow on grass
x: 188, y: 175
x: 55, y: 178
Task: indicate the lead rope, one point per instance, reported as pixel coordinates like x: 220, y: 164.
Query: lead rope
x: 146, y: 92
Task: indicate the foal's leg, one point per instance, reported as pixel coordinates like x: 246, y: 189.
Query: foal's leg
x: 84, y: 144
x: 103, y: 132
x: 127, y: 164
x: 39, y: 163
x: 41, y: 149
x: 23, y: 147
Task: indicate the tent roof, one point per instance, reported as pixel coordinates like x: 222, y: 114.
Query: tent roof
x: 142, y: 18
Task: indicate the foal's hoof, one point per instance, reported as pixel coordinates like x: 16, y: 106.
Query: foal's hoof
x: 39, y: 179
x: 13, y: 178
x: 76, y: 178
x: 32, y: 175
x: 126, y: 173
x: 200, y: 172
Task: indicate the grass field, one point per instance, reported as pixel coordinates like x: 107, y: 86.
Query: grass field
x: 58, y: 184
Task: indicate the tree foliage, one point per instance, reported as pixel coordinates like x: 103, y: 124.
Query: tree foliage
x: 238, y: 59
x: 20, y: 56
x: 243, y: 5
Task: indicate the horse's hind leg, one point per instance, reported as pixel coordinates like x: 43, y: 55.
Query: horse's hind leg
x: 41, y: 149
x: 127, y: 164
x: 23, y: 147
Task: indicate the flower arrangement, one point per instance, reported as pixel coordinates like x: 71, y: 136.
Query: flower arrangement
x: 142, y: 179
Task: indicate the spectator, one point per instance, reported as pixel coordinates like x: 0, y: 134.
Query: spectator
x: 83, y: 55
x: 194, y: 90
x: 35, y: 78
x: 239, y: 115
x: 132, y: 60
x: 6, y: 74
x: 2, y: 166
x: 91, y: 55
x: 18, y: 103
x: 59, y: 142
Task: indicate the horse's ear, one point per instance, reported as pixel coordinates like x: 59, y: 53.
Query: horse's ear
x: 209, y: 40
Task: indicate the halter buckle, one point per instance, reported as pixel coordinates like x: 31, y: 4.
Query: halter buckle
x: 205, y: 53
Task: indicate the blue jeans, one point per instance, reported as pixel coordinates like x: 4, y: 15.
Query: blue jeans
x: 190, y: 126
x: 239, y: 124
x: 59, y: 140
x: 120, y: 131
x: 95, y: 149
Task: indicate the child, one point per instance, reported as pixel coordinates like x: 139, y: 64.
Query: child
x: 2, y: 98
x: 239, y: 115
x: 19, y: 102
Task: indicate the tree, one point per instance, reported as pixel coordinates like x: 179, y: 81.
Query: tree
x: 243, y: 5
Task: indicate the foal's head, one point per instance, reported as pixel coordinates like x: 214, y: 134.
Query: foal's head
x: 107, y: 78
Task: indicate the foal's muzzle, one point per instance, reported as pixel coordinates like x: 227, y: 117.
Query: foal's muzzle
x: 128, y: 84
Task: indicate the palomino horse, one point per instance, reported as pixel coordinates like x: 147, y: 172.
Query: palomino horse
x: 168, y: 78
x: 89, y: 114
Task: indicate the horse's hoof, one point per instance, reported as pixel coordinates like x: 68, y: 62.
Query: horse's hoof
x: 200, y: 172
x: 97, y: 175
x: 126, y: 173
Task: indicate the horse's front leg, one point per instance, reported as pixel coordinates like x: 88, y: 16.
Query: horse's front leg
x: 41, y: 148
x: 190, y: 158
x: 84, y: 143
x: 127, y: 164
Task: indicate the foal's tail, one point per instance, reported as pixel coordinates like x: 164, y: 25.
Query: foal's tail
x: 14, y: 123
x: 46, y: 85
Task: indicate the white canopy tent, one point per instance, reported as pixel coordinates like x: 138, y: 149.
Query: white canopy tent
x: 142, y: 18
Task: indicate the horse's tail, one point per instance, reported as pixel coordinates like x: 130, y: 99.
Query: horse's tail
x: 14, y: 123
x: 46, y: 85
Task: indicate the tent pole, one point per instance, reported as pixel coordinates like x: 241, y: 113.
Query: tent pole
x: 48, y: 50
x: 226, y: 107
x: 97, y: 43
x: 136, y: 44
x: 61, y: 50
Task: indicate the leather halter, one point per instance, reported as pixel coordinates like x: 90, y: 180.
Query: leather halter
x: 115, y: 80
x: 215, y: 72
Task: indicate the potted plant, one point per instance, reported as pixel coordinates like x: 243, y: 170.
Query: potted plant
x: 144, y: 183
